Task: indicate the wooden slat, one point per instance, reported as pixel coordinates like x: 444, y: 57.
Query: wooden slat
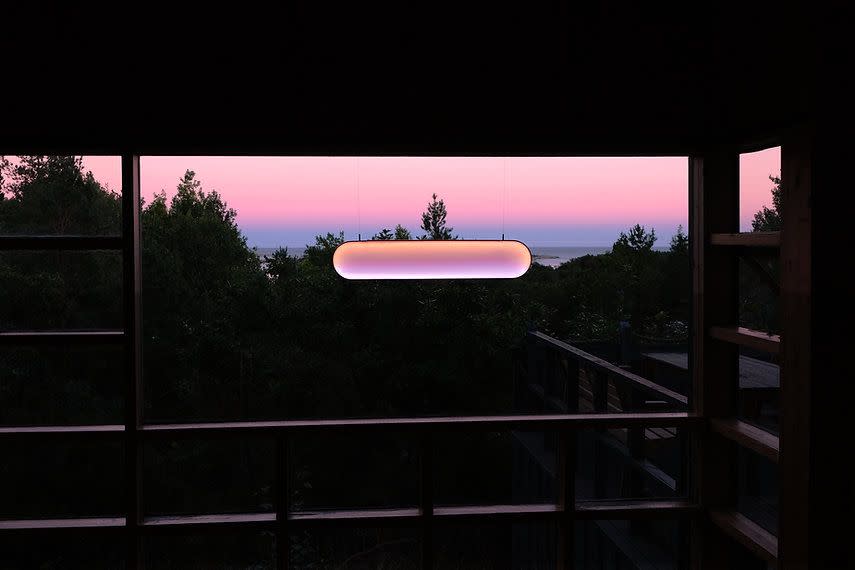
x: 61, y: 337
x: 748, y: 338
x: 650, y: 508
x: 53, y: 524
x: 749, y: 436
x: 747, y: 239
x: 61, y: 430
x: 748, y: 533
x: 810, y: 529
x: 243, y: 519
x: 497, y: 511
x: 65, y: 242
x: 360, y: 515
x: 132, y: 353
x: 609, y: 368
x: 713, y: 208
x: 487, y: 423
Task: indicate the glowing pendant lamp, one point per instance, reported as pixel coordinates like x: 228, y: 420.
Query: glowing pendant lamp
x: 416, y: 259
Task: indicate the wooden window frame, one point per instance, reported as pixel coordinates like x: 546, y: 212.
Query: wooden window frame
x: 710, y: 420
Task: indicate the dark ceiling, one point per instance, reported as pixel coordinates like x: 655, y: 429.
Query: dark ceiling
x: 317, y: 77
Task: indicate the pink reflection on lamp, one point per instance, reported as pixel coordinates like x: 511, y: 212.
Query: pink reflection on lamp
x: 414, y: 259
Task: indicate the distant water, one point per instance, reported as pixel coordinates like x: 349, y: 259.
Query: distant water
x: 552, y: 256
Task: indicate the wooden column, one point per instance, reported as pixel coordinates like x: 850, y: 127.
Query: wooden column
x: 713, y: 208
x: 132, y: 354
x: 816, y: 355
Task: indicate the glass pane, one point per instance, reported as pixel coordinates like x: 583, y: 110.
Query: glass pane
x: 633, y: 463
x: 212, y: 551
x: 494, y: 468
x: 396, y: 548
x: 50, y: 385
x: 758, y: 489
x: 353, y: 472
x: 55, y: 479
x: 208, y: 476
x: 759, y: 389
x: 624, y: 544
x: 60, y: 290
x: 245, y: 317
x: 759, y: 190
x: 85, y: 550
x: 58, y: 195
x: 496, y: 545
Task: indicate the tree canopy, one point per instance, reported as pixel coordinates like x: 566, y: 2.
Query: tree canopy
x: 769, y: 219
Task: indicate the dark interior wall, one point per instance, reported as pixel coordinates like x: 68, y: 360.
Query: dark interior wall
x: 534, y: 77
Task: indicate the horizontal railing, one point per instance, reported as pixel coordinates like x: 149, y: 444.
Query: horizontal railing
x: 598, y: 365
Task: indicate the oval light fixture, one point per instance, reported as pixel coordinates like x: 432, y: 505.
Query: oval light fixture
x: 416, y: 259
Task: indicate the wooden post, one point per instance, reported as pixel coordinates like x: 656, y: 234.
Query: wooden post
x: 713, y: 208
x: 816, y: 365
x: 132, y: 354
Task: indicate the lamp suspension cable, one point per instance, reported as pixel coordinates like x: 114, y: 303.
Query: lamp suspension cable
x: 358, y: 203
x: 504, y: 192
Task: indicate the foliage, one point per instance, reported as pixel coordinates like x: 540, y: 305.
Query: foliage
x: 384, y: 235
x: 433, y: 221
x: 402, y: 233
x: 769, y: 219
x: 638, y: 240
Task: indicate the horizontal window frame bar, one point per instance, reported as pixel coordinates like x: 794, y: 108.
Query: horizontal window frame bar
x: 62, y: 524
x: 89, y: 431
x: 597, y: 363
x: 589, y: 510
x: 748, y: 436
x: 748, y: 338
x: 761, y: 240
x: 748, y: 533
x: 635, y: 509
x: 184, y: 522
x: 84, y: 337
x: 60, y: 242
x: 543, y: 422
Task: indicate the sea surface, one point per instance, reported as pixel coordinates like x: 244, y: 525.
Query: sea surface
x: 552, y: 256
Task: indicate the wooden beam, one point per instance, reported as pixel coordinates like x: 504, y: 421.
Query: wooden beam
x: 748, y: 533
x: 647, y: 508
x: 747, y: 239
x: 60, y: 242
x: 62, y: 524
x: 498, y: 511
x: 749, y: 436
x: 747, y: 337
x: 603, y: 366
x: 53, y: 431
x: 713, y: 209
x: 427, y: 424
x: 235, y: 519
x: 61, y: 337
x: 132, y: 354
x: 358, y: 515
x: 796, y: 455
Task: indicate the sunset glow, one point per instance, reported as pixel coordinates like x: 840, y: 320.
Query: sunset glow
x: 541, y: 200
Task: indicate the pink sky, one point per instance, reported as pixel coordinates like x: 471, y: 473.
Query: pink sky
x: 544, y: 200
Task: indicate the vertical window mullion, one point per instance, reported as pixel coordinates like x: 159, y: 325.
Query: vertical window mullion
x: 132, y: 293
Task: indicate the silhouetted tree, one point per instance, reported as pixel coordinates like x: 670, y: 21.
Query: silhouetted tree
x: 402, y: 233
x: 433, y: 221
x: 384, y: 235
x: 53, y: 195
x: 637, y: 240
x: 769, y: 219
x: 680, y: 242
